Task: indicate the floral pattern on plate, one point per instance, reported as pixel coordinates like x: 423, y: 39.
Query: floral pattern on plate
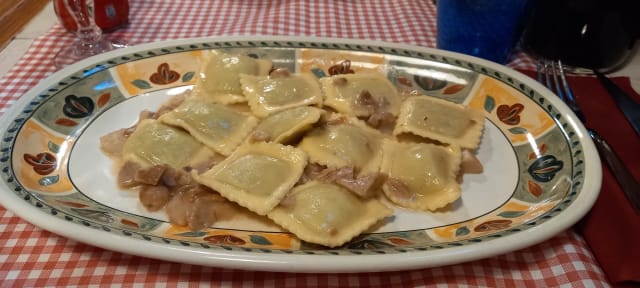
x: 77, y: 101
x: 40, y: 160
x: 157, y: 72
x: 507, y: 108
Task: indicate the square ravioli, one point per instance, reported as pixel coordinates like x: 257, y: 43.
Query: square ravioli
x: 270, y: 94
x: 256, y: 176
x: 286, y: 125
x: 440, y: 120
x: 327, y: 214
x: 216, y: 125
x: 421, y: 176
x: 347, y: 144
x: 219, y: 77
x: 154, y: 143
x: 361, y: 94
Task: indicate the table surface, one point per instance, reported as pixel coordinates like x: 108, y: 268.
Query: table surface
x: 31, y: 256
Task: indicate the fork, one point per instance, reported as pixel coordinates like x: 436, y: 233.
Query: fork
x: 551, y: 74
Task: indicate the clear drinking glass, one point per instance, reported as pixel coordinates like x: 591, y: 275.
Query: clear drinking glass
x: 89, y: 39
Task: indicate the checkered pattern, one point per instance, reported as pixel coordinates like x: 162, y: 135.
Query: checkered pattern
x: 407, y: 21
x: 32, y: 257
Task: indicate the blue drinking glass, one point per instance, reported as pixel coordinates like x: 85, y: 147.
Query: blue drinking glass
x: 488, y: 29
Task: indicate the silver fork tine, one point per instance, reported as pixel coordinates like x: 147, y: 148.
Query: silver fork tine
x: 547, y: 81
x: 556, y: 82
x: 565, y: 84
x: 539, y: 73
x: 542, y: 73
x: 570, y: 99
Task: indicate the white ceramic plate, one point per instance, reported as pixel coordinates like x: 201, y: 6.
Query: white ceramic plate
x: 541, y: 175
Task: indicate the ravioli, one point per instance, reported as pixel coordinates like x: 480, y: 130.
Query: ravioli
x: 327, y: 214
x: 267, y: 94
x: 348, y: 144
x: 421, y: 176
x: 360, y: 94
x: 216, y: 125
x: 286, y: 125
x: 219, y: 78
x: 256, y: 176
x: 334, y: 179
x: 153, y: 143
x: 440, y: 120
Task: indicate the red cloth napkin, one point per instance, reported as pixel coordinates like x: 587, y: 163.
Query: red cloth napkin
x: 612, y: 227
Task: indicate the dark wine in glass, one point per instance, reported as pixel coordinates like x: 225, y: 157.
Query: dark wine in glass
x: 593, y: 34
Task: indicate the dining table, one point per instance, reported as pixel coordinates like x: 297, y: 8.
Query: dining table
x: 598, y: 251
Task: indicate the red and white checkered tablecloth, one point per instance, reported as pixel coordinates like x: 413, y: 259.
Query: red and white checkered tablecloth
x: 32, y: 257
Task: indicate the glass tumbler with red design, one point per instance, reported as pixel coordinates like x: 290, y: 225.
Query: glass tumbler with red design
x: 89, y: 39
x: 109, y: 15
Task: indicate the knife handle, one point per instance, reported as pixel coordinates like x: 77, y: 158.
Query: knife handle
x: 629, y: 107
x: 627, y: 182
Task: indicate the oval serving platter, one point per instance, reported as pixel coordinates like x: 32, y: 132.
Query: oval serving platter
x: 541, y: 173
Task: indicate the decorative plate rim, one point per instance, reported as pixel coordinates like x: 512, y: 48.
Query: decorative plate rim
x: 314, y: 263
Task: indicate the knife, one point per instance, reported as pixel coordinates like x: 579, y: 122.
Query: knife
x: 628, y: 183
x: 629, y: 107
